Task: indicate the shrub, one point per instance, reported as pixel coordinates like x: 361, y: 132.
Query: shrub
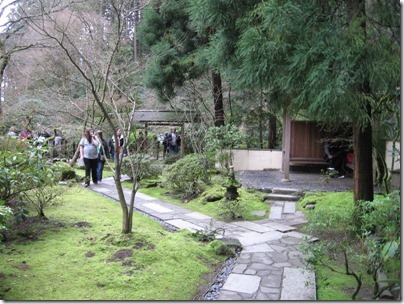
x: 364, y: 252
x: 42, y: 197
x: 6, y: 216
x: 66, y: 171
x: 231, y: 209
x: 186, y: 175
x: 221, y: 249
x: 23, y: 167
x: 143, y: 166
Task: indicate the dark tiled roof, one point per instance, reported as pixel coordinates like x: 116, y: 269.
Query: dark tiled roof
x: 165, y: 117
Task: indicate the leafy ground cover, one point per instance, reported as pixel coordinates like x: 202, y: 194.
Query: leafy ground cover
x: 80, y: 254
x: 249, y: 201
x: 335, y: 210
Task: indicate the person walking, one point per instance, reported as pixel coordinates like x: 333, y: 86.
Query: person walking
x: 173, y: 141
x: 116, y: 146
x: 166, y: 144
x: 89, y: 154
x: 103, y: 154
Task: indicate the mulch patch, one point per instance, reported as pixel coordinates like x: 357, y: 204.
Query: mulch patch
x: 30, y: 229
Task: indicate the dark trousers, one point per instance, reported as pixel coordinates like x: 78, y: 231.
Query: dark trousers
x: 91, y: 167
x: 173, y: 149
x: 100, y: 168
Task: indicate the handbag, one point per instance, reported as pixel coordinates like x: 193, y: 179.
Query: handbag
x: 80, y: 162
x: 102, y: 157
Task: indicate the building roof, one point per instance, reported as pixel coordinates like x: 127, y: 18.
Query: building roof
x: 165, y: 117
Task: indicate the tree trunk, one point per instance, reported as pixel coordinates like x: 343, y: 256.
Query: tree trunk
x: 272, y: 131
x: 126, y: 215
x: 218, y: 99
x: 363, y: 170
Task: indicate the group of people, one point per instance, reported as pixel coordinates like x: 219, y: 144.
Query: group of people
x: 171, y: 142
x: 95, y: 150
x: 42, y: 136
x: 339, y: 158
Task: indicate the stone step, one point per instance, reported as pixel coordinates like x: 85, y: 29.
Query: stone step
x: 298, y: 284
x: 281, y: 197
x: 287, y: 191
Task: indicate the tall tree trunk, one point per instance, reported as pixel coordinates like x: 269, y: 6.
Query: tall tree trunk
x: 272, y: 131
x: 218, y: 99
x: 363, y: 170
x: 363, y: 147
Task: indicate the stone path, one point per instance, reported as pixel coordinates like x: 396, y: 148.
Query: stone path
x: 269, y: 267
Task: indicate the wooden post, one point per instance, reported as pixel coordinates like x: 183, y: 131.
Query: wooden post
x: 286, y: 146
x: 182, y: 141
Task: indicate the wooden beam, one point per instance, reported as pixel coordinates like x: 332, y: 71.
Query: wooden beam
x: 287, y: 122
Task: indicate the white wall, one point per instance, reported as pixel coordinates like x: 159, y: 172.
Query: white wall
x: 389, y: 157
x: 255, y: 159
x: 249, y: 159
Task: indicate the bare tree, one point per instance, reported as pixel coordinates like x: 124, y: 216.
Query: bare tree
x: 95, y: 45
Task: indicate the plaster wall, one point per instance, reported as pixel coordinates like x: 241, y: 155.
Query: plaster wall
x: 251, y: 159
x: 389, y: 155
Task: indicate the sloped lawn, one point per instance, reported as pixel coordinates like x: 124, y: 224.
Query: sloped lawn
x: 80, y: 254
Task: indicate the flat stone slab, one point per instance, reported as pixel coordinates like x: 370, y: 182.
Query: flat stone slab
x: 253, y: 226
x: 289, y: 207
x: 255, y: 238
x: 157, y: 207
x: 198, y: 216
x: 103, y: 190
x: 145, y: 197
x: 181, y: 224
x: 280, y: 227
x: 285, y: 190
x: 276, y: 213
x: 298, y: 284
x: 257, y: 248
x: 281, y: 197
x: 242, y: 283
x: 301, y: 236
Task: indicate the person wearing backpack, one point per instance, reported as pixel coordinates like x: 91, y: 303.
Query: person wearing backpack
x: 103, y: 154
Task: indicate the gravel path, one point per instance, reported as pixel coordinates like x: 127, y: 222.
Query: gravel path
x: 307, y: 182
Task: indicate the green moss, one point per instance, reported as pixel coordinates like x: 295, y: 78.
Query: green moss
x: 250, y: 201
x: 73, y: 262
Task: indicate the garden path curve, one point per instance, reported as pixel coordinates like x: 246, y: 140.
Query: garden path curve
x: 270, y: 265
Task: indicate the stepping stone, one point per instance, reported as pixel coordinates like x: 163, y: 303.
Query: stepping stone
x: 280, y: 227
x: 198, y: 216
x: 289, y: 207
x: 157, y: 207
x: 281, y: 197
x: 181, y: 224
x: 253, y: 226
x: 242, y: 283
x: 103, y: 190
x: 286, y: 191
x: 144, y: 197
x: 276, y: 213
x: 255, y: 238
x: 301, y: 236
x: 258, y: 248
x: 298, y: 284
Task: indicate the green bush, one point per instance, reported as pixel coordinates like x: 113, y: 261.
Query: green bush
x: 24, y: 167
x: 143, y: 166
x: 231, y: 209
x: 66, y: 171
x: 6, y: 216
x: 364, y: 252
x: 187, y: 175
x: 221, y: 248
